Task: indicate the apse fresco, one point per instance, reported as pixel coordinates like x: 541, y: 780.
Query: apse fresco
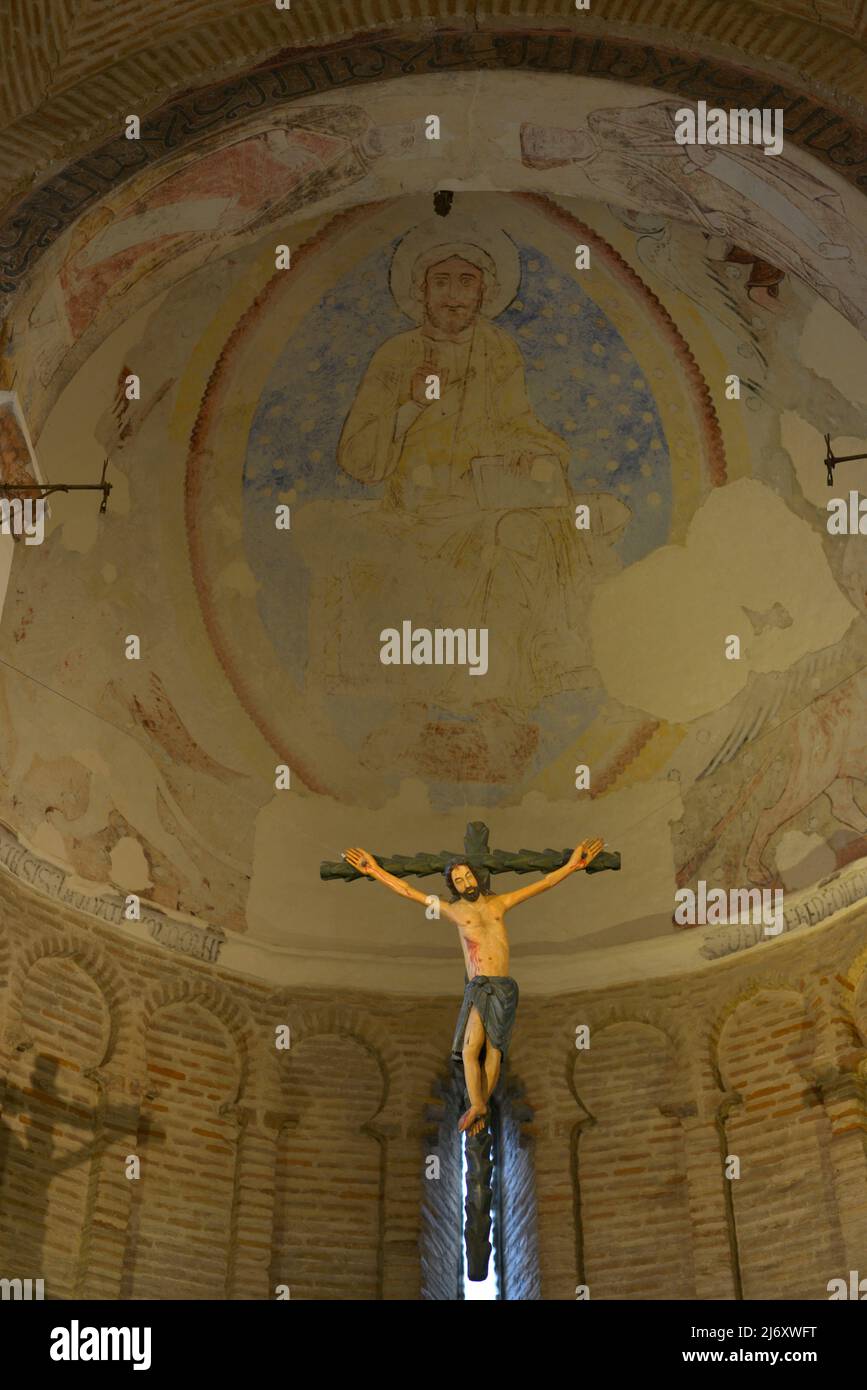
x: 585, y: 494
x: 295, y: 452
x: 581, y: 379
x: 433, y: 672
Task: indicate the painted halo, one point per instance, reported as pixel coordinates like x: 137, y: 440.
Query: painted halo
x: 456, y: 238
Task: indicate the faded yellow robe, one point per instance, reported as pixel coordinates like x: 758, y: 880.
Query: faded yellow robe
x: 425, y: 453
x: 431, y: 551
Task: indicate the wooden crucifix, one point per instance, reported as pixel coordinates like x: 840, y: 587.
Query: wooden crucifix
x: 487, y: 1014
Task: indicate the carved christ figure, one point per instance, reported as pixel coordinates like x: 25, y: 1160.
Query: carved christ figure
x: 490, y: 1000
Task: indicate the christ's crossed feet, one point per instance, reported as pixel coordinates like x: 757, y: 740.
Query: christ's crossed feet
x: 474, y: 1120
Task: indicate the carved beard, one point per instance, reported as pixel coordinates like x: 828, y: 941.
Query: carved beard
x: 471, y: 894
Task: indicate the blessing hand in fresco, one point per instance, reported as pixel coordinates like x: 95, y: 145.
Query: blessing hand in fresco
x: 418, y: 388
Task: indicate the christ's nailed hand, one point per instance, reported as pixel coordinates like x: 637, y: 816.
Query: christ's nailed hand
x: 582, y: 855
x: 361, y: 860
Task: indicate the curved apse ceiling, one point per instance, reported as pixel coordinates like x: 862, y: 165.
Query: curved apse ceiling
x: 262, y: 647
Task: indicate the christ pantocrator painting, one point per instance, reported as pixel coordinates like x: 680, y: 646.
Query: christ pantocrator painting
x: 477, y: 515
x: 423, y: 448
x: 487, y: 1015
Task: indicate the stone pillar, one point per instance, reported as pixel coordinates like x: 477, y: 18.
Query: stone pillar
x: 103, y: 1238
x: 253, y: 1209
x: 13, y: 1039
x: 403, y: 1150
x: 557, y: 1207
x: 844, y: 1095
x: 711, y: 1212
x: 839, y: 1077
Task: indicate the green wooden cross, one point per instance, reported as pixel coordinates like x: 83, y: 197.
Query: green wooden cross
x: 477, y: 854
x: 483, y: 861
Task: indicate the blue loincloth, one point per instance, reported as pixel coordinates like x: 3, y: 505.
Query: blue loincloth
x: 496, y: 998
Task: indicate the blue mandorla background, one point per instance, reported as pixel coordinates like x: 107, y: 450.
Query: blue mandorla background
x: 583, y: 382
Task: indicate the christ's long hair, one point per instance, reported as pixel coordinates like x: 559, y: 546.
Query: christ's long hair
x: 482, y: 876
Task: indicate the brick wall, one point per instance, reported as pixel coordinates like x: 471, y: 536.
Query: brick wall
x: 179, y: 1235
x: 631, y: 1166
x: 308, y: 1167
x: 51, y: 1123
x: 330, y: 1173
x: 784, y: 1207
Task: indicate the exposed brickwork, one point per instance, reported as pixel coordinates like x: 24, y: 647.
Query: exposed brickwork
x: 51, y: 1125
x: 72, y: 71
x: 307, y: 1167
x: 784, y: 1201
x: 330, y: 1174
x: 825, y: 968
x: 631, y: 1165
x: 179, y: 1235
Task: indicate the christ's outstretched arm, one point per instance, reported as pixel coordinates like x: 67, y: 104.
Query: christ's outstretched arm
x: 581, y: 857
x: 365, y: 863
